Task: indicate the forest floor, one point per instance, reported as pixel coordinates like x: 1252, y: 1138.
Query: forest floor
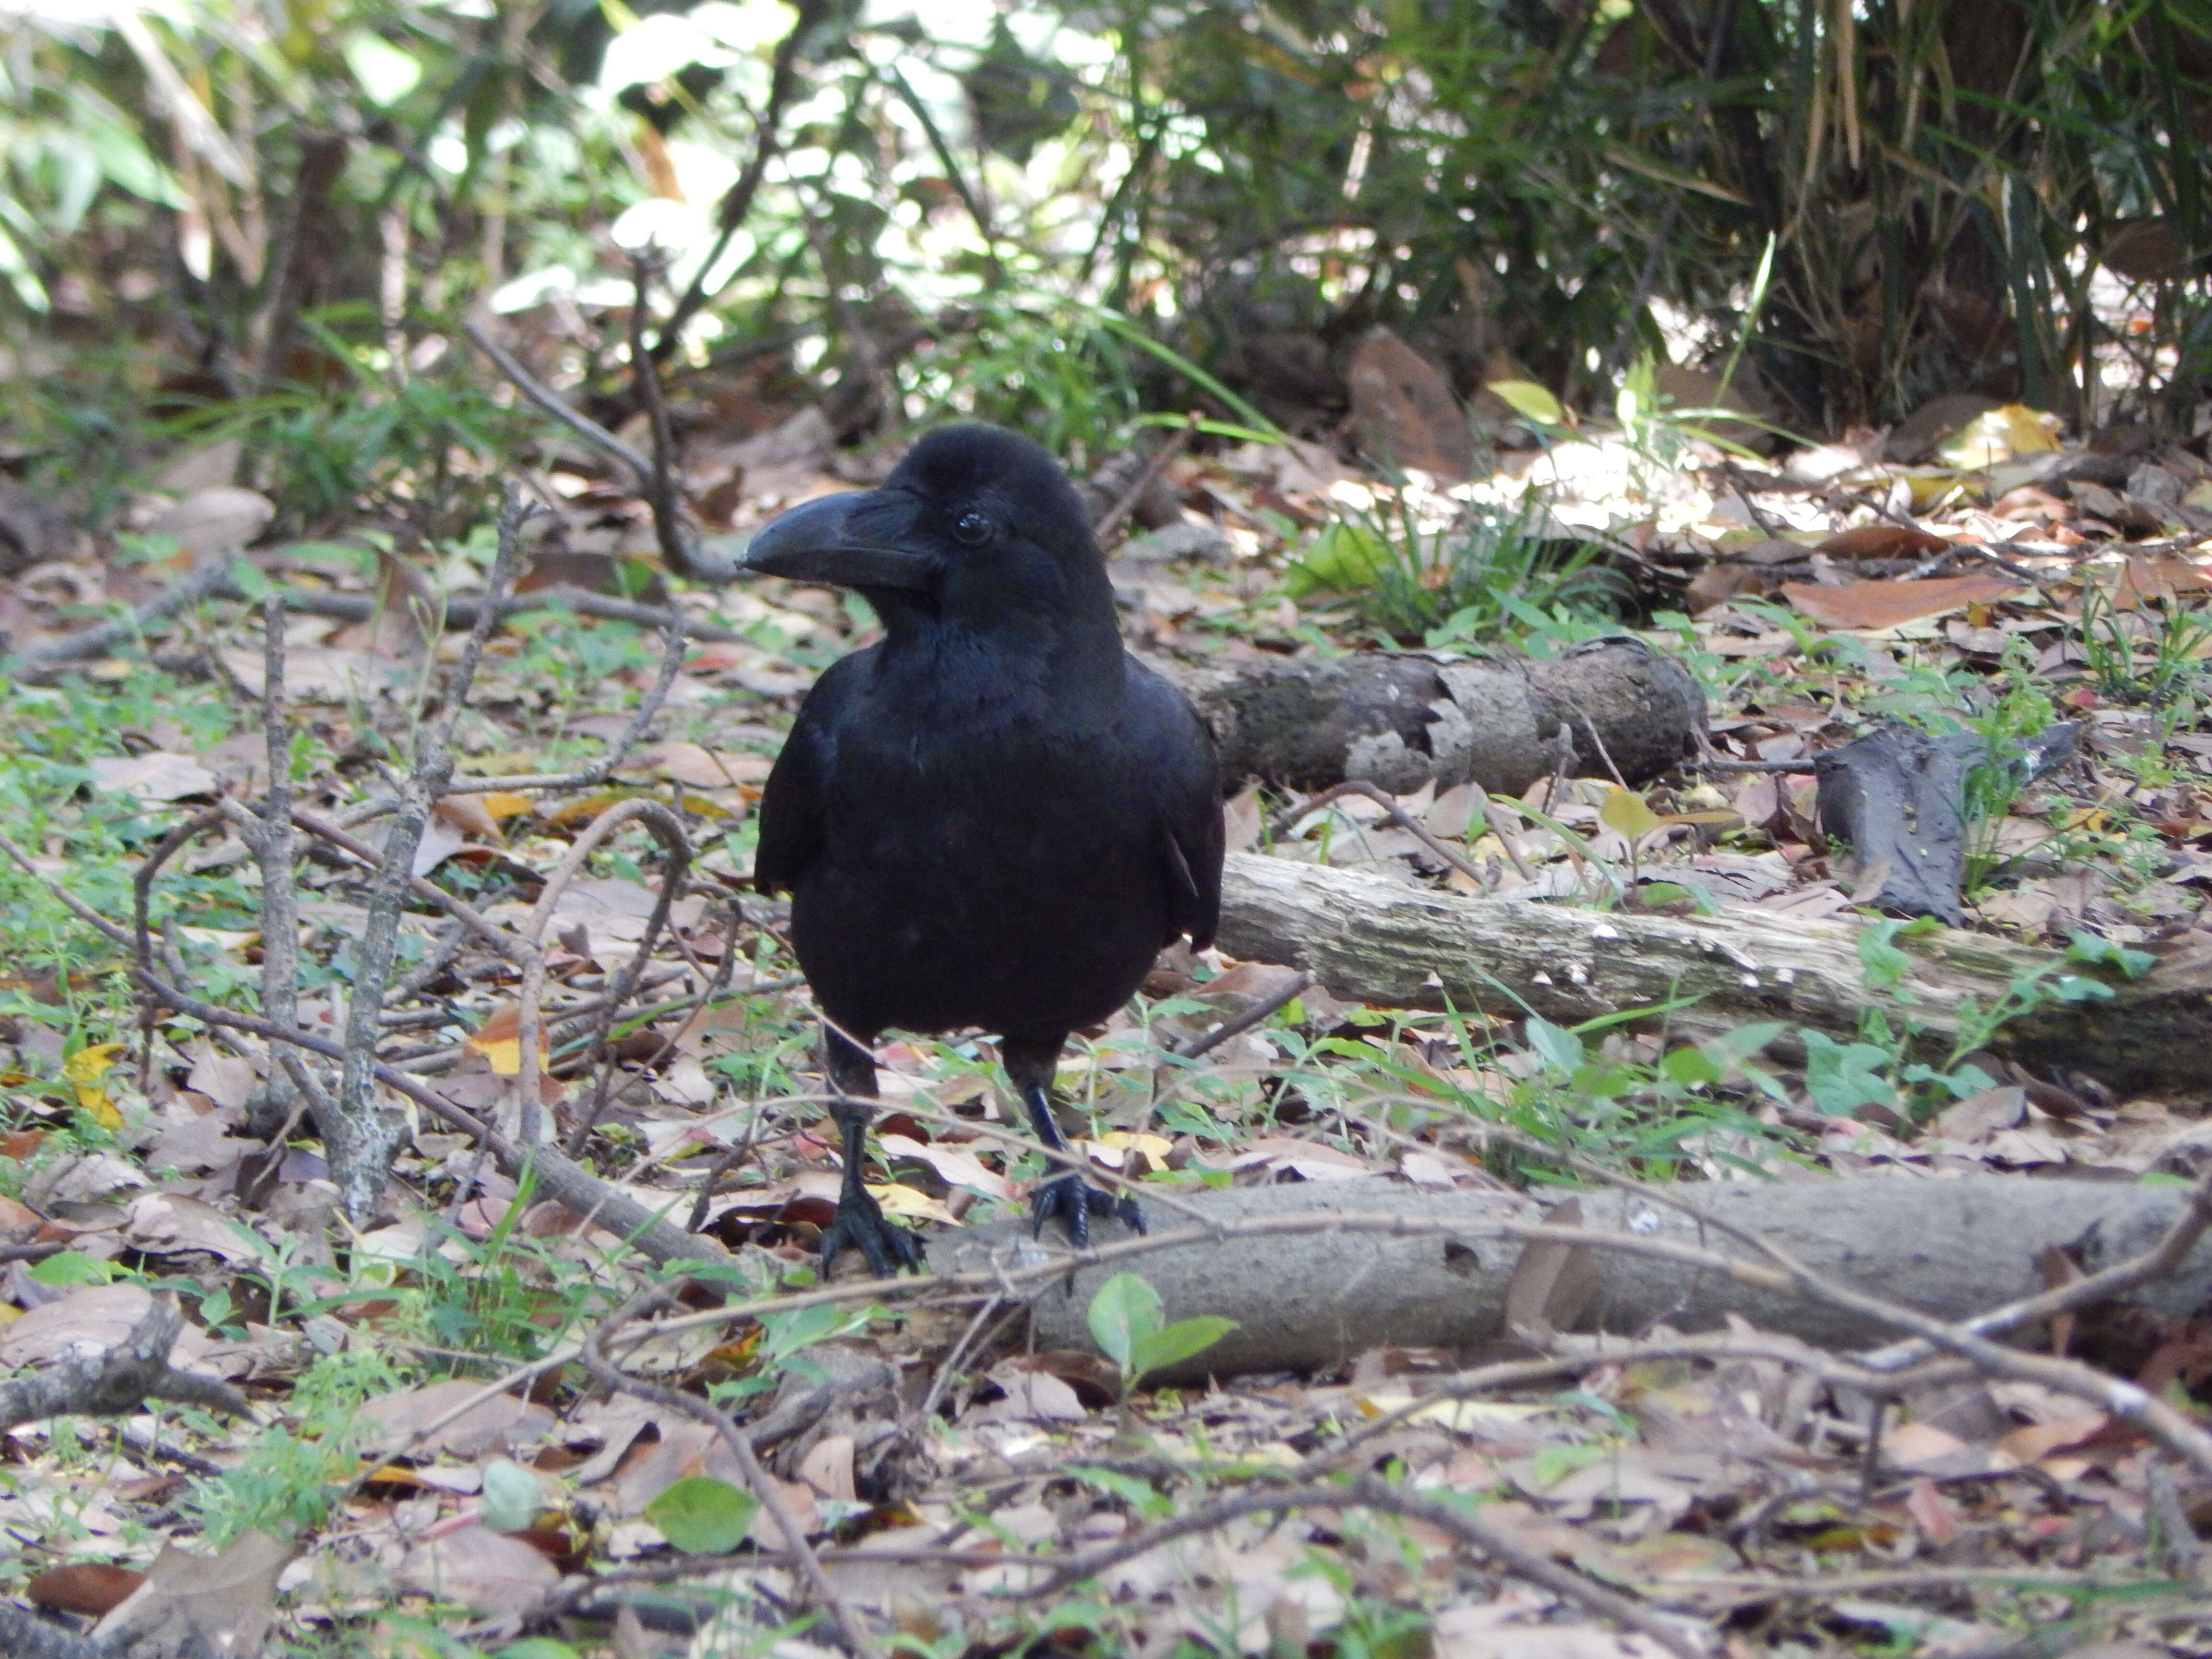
x: 464, y: 1433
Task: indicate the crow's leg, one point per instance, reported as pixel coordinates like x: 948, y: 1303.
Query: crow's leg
x: 860, y: 1221
x: 1030, y: 1064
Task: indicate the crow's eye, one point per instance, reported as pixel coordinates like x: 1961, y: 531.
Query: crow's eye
x: 973, y: 529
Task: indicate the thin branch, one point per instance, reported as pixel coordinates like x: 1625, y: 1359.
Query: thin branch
x: 119, y: 1379
x: 1257, y: 1014
x: 737, y: 201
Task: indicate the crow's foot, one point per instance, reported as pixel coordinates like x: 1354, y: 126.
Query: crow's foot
x: 861, y: 1224
x: 1070, y: 1198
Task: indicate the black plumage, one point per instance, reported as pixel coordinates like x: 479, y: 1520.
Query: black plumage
x: 994, y: 818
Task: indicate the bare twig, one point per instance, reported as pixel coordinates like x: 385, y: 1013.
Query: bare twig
x: 208, y: 579
x: 272, y: 843
x: 1111, y: 520
x: 1392, y: 811
x: 737, y: 201
x: 121, y: 1379
x: 546, y: 398
x: 1205, y: 1042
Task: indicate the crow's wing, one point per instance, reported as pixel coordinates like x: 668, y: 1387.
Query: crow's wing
x: 1178, y: 749
x: 798, y: 784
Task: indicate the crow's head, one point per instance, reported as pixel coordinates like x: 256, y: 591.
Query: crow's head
x: 976, y: 526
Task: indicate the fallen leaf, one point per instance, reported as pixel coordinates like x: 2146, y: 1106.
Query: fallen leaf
x: 480, y: 1569
x: 956, y: 1166
x: 92, y: 1588
x: 1886, y: 604
x: 1879, y: 540
x: 499, y: 1040
x: 1404, y: 412
x: 503, y: 1422
x: 156, y: 778
x: 227, y: 1601
x: 221, y: 519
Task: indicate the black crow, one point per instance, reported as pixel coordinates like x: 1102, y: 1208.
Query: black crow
x: 994, y: 818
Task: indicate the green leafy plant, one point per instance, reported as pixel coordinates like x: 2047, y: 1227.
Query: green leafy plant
x: 1128, y: 1322
x: 1444, y: 585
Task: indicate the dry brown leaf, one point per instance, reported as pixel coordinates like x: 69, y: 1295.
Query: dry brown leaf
x: 1880, y: 541
x: 219, y: 519
x: 227, y: 1601
x: 1886, y: 604
x: 499, y: 1040
x: 1404, y: 411
x: 502, y: 1423
x: 469, y: 814
x: 156, y: 778
x: 92, y: 1588
x: 1552, y: 1282
x: 480, y: 1569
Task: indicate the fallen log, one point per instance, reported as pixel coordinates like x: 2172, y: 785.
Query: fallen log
x: 1404, y: 719
x: 1369, y: 938
x: 1331, y: 1279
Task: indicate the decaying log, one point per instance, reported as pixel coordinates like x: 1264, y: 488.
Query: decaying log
x: 1306, y: 1299
x: 1404, y: 719
x: 1372, y: 939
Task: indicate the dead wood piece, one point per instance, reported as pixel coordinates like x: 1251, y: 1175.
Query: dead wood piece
x: 1898, y: 796
x: 1371, y: 940
x: 1403, y: 718
x: 26, y: 1636
x: 1306, y: 1301
x: 119, y: 1379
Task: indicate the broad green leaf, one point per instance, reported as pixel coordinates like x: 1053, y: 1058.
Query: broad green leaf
x: 1124, y: 1312
x: 1842, y: 1077
x: 1345, y: 558
x: 512, y: 1497
x: 1526, y: 397
x: 1628, y: 812
x: 1558, y: 1048
x: 1179, y: 1341
x: 71, y: 1267
x: 701, y: 1516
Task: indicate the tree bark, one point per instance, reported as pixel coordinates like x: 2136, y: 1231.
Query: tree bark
x: 1403, y: 718
x: 1371, y: 940
x: 1307, y: 1300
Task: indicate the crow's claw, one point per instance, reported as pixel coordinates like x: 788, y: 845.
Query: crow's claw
x: 862, y: 1225
x: 1075, y: 1202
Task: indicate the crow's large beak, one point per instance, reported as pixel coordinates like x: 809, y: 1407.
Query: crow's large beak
x: 852, y: 540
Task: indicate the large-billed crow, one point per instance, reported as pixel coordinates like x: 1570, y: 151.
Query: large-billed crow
x: 996, y: 817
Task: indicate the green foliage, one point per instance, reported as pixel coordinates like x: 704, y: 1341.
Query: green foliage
x: 292, y: 1473
x: 1462, y: 581
x: 1127, y: 1322
x: 701, y: 1514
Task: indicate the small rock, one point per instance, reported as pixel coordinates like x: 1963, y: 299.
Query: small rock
x: 1186, y: 539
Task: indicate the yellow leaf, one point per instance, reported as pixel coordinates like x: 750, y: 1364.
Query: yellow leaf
x: 505, y: 803
x: 90, y: 1065
x: 1526, y: 397
x: 901, y: 1201
x: 1998, y: 435
x: 505, y: 1055
x: 499, y: 1040
x: 1628, y: 812
x: 1154, y: 1147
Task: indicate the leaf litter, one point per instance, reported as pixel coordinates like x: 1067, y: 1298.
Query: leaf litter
x: 425, y: 1445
